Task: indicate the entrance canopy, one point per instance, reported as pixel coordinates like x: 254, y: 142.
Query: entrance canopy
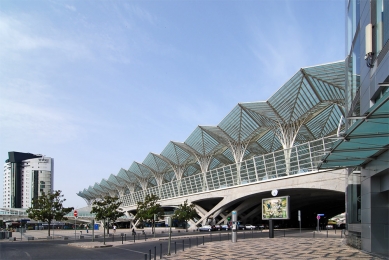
x: 364, y: 141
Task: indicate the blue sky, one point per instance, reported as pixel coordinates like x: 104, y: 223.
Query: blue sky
x: 99, y: 84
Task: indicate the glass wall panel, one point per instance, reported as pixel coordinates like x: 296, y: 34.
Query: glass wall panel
x: 353, y: 195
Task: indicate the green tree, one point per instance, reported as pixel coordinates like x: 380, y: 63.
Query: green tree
x: 185, y: 212
x: 48, y: 207
x: 145, y: 210
x: 107, y: 210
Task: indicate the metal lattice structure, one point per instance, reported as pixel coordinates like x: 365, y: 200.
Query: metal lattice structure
x: 306, y: 108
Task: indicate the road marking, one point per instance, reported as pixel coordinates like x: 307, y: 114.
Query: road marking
x: 130, y: 250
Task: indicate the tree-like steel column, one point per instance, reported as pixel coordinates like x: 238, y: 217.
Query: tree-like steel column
x: 286, y: 134
x: 204, y: 162
x: 238, y: 150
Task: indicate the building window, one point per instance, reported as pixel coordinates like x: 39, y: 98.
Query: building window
x: 382, y: 24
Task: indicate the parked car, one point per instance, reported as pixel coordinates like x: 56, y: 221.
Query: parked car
x: 241, y: 226
x: 330, y: 227
x: 249, y: 226
x: 261, y: 226
x: 218, y: 227
x: 206, y: 228
x: 225, y: 227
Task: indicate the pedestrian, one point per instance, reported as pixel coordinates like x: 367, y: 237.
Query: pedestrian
x: 133, y: 232
x: 114, y: 228
x: 87, y: 229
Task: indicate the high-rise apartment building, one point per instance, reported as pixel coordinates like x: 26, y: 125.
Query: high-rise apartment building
x: 26, y: 176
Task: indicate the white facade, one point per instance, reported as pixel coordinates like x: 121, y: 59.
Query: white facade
x: 36, y: 177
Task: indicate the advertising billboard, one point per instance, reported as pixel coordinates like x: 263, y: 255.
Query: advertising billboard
x: 275, y: 208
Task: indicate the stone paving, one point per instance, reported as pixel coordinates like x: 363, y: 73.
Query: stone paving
x: 308, y: 245
x: 275, y: 248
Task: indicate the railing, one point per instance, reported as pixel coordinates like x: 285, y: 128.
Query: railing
x: 299, y: 159
x: 12, y: 212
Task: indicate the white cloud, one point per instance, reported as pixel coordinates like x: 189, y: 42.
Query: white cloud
x: 71, y: 8
x: 26, y: 114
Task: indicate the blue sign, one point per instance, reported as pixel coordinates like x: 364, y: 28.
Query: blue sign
x: 321, y: 215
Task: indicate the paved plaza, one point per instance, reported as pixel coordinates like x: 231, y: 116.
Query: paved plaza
x: 308, y: 245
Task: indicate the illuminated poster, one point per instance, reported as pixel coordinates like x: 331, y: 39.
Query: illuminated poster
x: 275, y: 208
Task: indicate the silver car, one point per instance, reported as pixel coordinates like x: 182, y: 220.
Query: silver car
x: 206, y: 228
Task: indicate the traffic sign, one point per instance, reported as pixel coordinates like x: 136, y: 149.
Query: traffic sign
x: 318, y: 217
x: 75, y: 213
x: 321, y: 215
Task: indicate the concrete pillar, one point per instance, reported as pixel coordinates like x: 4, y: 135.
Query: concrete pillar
x: 375, y: 209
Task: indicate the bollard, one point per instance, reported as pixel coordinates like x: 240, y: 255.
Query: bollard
x: 203, y: 240
x: 149, y: 254
x: 228, y: 236
x: 190, y: 243
x: 183, y: 245
x: 125, y: 237
x: 145, y: 237
x: 220, y: 236
x: 175, y: 247
x: 341, y: 233
x: 145, y: 256
x: 160, y: 251
x: 244, y: 234
x: 122, y: 240
x: 197, y: 241
x: 327, y: 232
x: 284, y: 232
x: 210, y: 236
x: 252, y: 233
x: 134, y: 238
x: 113, y: 238
x: 155, y: 253
x: 313, y: 234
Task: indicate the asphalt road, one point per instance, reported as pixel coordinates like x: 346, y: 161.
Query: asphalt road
x: 59, y: 249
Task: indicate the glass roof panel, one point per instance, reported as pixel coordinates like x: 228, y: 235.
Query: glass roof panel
x: 169, y: 176
x: 175, y: 154
x: 269, y: 142
x: 127, y: 176
x: 365, y: 139
x: 333, y: 73
x: 156, y: 163
x: 202, y: 142
x: 113, y: 179
x: 190, y: 171
x: 214, y: 164
x: 227, y: 153
x: 140, y: 170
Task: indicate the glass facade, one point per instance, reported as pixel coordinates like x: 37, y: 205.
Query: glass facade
x: 353, y: 61
x: 381, y: 24
x: 353, y: 195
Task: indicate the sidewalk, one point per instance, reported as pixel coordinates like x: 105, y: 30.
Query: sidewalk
x: 274, y: 248
x: 296, y: 246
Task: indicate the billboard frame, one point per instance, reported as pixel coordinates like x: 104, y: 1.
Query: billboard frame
x: 285, y: 210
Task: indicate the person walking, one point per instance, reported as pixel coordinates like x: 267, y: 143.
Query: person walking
x: 87, y: 229
x: 114, y: 229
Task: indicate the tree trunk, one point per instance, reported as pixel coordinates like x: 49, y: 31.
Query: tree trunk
x: 107, y: 226
x: 49, y: 222
x: 104, y: 231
